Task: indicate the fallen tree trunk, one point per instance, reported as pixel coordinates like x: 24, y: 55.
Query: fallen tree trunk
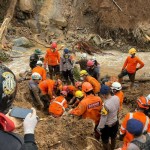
x: 5, y: 24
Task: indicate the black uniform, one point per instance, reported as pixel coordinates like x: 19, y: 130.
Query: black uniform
x: 12, y: 141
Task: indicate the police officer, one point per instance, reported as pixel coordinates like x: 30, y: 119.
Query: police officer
x: 8, y: 139
x: 108, y: 125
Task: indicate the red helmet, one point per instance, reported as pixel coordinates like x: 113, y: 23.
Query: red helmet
x: 65, y: 88
x: 142, y: 102
x: 78, y: 84
x: 90, y: 63
x: 63, y: 93
x: 54, y: 45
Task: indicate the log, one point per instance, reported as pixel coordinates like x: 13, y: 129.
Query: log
x: 5, y: 24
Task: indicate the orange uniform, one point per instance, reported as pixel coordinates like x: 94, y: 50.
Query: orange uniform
x: 57, y: 106
x: 120, y: 95
x: 96, y: 85
x: 136, y: 115
x: 47, y: 87
x: 89, y: 107
x: 131, y: 64
x: 52, y: 58
x: 41, y: 71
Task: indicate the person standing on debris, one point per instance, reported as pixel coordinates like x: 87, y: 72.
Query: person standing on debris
x: 52, y: 59
x: 130, y: 67
x: 84, y: 76
x: 89, y: 106
x: 58, y: 105
x: 35, y: 91
x: 108, y: 125
x: 66, y: 66
x: 83, y: 61
x: 97, y: 64
x: 92, y: 70
x: 34, y: 58
x: 139, y: 115
x: 39, y: 69
x: 8, y: 139
x: 116, y: 90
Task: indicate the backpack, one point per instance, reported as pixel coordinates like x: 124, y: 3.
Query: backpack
x: 143, y: 146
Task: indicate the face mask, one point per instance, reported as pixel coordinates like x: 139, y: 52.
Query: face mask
x: 66, y: 55
x: 81, y: 78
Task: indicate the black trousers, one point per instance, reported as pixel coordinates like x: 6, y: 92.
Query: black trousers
x: 109, y: 132
x: 68, y: 75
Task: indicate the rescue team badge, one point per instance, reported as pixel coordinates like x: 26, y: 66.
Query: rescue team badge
x: 9, y: 83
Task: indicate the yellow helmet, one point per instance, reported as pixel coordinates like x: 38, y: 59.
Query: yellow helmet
x: 132, y: 51
x: 79, y: 94
x: 83, y: 72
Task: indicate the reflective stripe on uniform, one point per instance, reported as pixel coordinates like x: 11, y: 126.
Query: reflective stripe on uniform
x: 146, y: 124
x: 130, y: 115
x: 61, y: 104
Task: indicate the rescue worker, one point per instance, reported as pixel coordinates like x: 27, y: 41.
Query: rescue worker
x: 79, y: 95
x: 70, y: 89
x: 52, y: 59
x: 147, y: 112
x: 83, y: 61
x: 97, y: 64
x: 35, y: 91
x: 139, y: 115
x: 116, y: 90
x: 48, y: 89
x: 39, y: 69
x: 78, y: 85
x: 90, y: 106
x: 108, y: 125
x: 58, y: 105
x: 84, y: 76
x: 34, y: 58
x: 92, y: 70
x: 66, y: 66
x: 8, y: 139
x: 130, y: 67
x: 140, y: 141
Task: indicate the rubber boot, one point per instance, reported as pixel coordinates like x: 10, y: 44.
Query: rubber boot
x: 131, y: 85
x: 113, y: 144
x: 51, y: 76
x: 106, y: 146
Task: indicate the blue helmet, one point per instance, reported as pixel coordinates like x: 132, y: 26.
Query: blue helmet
x: 66, y: 51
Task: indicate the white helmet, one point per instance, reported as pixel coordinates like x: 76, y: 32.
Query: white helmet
x: 84, y: 55
x: 116, y: 86
x: 39, y: 62
x: 148, y: 97
x: 36, y: 76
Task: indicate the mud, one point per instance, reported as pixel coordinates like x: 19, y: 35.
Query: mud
x: 69, y: 132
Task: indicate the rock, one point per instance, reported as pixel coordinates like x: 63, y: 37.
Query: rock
x: 32, y: 24
x: 19, y: 49
x: 60, y: 22
x: 96, y: 40
x: 26, y: 5
x: 22, y: 42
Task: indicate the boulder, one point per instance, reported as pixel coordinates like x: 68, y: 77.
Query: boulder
x: 26, y: 5
x: 22, y: 42
x: 32, y: 24
x: 60, y: 22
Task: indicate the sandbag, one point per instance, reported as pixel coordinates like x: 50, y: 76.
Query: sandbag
x: 26, y: 5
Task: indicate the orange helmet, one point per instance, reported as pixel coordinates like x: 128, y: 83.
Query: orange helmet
x: 142, y: 102
x: 78, y: 84
x: 86, y: 87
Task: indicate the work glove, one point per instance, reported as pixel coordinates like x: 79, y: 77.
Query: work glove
x: 30, y: 122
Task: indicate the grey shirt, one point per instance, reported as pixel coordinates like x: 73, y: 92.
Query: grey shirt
x: 112, y: 107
